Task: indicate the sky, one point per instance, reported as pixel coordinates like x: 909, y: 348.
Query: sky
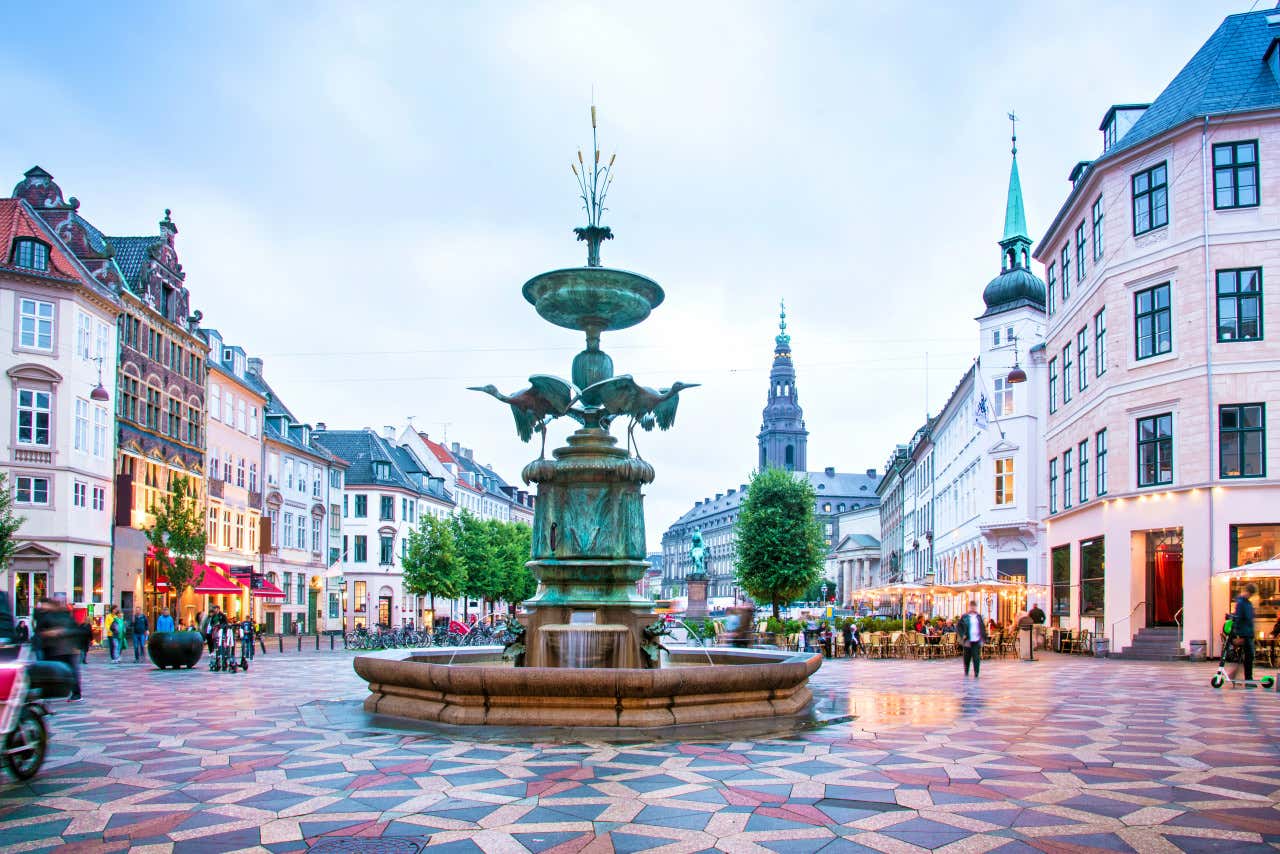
x: 361, y: 190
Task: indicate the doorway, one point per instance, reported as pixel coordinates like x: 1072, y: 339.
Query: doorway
x: 28, y: 589
x: 1164, y: 577
x: 384, y: 610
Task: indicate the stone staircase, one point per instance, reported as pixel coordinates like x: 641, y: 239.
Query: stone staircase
x: 1153, y: 643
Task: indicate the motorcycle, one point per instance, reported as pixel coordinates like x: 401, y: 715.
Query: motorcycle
x: 23, y: 733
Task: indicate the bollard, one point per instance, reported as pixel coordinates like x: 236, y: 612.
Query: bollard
x: 330, y: 641
x: 344, y: 640
x: 263, y: 644
x: 299, y: 643
x: 317, y: 641
x: 280, y: 641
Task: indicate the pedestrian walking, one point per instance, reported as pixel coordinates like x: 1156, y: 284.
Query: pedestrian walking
x: 140, y: 630
x: 972, y: 634
x: 22, y: 634
x: 59, y: 639
x: 117, y: 635
x: 246, y: 639
x: 846, y: 635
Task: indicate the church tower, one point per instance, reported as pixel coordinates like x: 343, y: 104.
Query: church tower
x: 783, y: 438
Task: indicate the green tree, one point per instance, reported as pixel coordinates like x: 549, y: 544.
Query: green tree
x: 475, y: 553
x: 9, y: 523
x: 780, y: 545
x: 515, y: 545
x: 431, y: 566
x: 178, y: 536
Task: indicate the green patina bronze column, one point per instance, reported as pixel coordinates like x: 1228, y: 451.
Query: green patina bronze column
x: 588, y: 530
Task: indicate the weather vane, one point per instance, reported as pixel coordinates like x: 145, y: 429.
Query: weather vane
x: 593, y: 186
x: 1013, y: 120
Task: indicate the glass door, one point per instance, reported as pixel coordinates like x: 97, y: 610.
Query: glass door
x: 29, y: 588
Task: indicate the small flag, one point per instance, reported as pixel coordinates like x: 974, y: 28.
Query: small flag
x: 981, y: 414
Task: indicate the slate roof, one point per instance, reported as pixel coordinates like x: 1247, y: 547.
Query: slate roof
x: 1226, y: 75
x: 857, y: 487
x: 858, y: 541
x: 132, y: 254
x: 362, y: 448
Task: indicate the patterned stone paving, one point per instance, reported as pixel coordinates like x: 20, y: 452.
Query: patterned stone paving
x: 1062, y: 755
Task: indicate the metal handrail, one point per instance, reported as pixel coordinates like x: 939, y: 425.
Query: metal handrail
x: 1176, y: 619
x: 1122, y: 619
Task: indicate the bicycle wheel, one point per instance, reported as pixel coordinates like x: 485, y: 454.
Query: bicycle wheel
x: 25, y: 747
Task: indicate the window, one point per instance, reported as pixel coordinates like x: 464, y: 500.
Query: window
x: 302, y: 477
x: 99, y: 498
x: 335, y: 518
x: 344, y: 507
x: 35, y: 324
x: 1150, y: 199
x: 335, y: 479
x: 315, y: 482
x: 288, y: 588
x: 31, y: 490
x: 31, y: 254
x: 362, y: 596
x: 175, y: 419
x: 1100, y: 342
x: 288, y: 531
x: 1155, y: 450
x: 1053, y: 293
x: 381, y: 470
x: 100, y: 432
x: 362, y: 506
x: 1053, y: 385
x: 273, y: 516
x: 1066, y: 480
x: 1066, y: 373
x: 99, y: 565
x: 1242, y: 440
x: 81, y: 432
x: 77, y: 578
x: 1240, y: 304
x: 1097, y: 230
x: 1053, y: 485
x: 361, y: 549
x: 212, y: 524
x: 1080, y: 263
x: 386, y: 551
x: 1152, y: 322
x: 1100, y: 461
x: 315, y: 535
x: 387, y: 509
x: 1235, y: 175
x: 1004, y: 481
x: 1004, y: 397
x: 84, y: 336
x: 80, y: 493
x: 239, y: 526
x: 240, y: 473
x: 302, y: 592
x: 1082, y: 462
x: 1060, y: 558
x: 33, y: 417
x: 229, y: 409
x: 215, y: 402
x: 253, y: 477
x: 1092, y: 577
x: 152, y: 413
x: 1065, y: 259
x: 1082, y: 352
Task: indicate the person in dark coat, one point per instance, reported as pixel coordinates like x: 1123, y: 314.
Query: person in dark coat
x: 59, y: 639
x: 1242, y: 628
x: 971, y: 634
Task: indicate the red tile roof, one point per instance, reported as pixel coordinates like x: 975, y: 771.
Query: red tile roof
x: 441, y: 452
x: 18, y: 220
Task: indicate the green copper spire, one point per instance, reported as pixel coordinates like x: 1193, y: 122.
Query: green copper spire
x: 1015, y: 217
x: 782, y: 339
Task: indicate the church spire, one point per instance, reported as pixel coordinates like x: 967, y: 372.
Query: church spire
x: 783, y: 438
x: 782, y: 341
x: 1015, y: 245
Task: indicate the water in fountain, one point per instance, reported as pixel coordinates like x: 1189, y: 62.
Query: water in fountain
x: 689, y: 630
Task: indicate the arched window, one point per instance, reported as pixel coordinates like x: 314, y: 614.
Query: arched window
x: 790, y: 458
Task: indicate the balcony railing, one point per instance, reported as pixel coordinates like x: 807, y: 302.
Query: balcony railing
x: 28, y: 455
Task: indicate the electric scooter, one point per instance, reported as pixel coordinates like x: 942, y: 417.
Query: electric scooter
x: 1231, y: 656
x: 23, y: 734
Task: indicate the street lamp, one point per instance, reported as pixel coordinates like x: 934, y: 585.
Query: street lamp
x: 824, y: 592
x: 99, y: 393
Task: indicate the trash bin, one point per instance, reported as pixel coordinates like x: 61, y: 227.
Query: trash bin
x: 1026, y: 640
x: 1101, y: 647
x: 1199, y: 650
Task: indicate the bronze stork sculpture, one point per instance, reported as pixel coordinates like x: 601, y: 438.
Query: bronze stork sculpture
x: 648, y: 407
x: 545, y: 399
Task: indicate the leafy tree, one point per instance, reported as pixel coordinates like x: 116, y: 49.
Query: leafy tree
x: 9, y: 523
x: 780, y: 545
x: 431, y: 565
x: 178, y: 536
x: 475, y: 553
x: 515, y: 545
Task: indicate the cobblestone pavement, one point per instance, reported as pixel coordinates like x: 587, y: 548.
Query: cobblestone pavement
x: 1057, y: 756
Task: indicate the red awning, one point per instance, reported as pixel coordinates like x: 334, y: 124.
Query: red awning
x: 206, y: 579
x: 268, y: 591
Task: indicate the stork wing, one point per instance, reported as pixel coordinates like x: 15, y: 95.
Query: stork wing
x: 557, y: 393
x: 525, y: 422
x: 665, y: 412
x: 617, y: 394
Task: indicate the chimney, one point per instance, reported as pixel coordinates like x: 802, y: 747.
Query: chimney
x: 388, y: 432
x: 830, y: 471
x: 697, y: 504
x: 871, y: 473
x: 320, y: 428
x: 719, y: 495
x: 255, y: 366
x: 732, y: 490
x: 453, y: 446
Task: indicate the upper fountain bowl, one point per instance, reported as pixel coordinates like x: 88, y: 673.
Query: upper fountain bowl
x: 593, y: 298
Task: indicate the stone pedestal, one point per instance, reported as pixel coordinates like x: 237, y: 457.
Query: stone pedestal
x: 697, y: 608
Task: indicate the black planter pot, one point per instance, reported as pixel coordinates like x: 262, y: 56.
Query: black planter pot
x: 175, y: 649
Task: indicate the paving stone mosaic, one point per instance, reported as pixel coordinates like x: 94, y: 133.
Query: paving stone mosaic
x: 1063, y: 756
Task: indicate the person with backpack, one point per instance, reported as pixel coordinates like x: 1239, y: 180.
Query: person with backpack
x: 140, y: 630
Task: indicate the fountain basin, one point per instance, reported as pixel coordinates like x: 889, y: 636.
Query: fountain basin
x: 475, y: 687
x: 596, y: 298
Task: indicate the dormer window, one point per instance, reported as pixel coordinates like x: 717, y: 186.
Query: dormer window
x: 31, y: 254
x: 382, y: 471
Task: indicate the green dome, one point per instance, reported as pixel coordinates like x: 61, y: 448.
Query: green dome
x: 1015, y: 287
